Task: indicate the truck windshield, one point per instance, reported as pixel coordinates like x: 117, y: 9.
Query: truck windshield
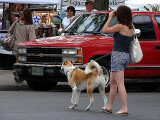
x: 89, y: 24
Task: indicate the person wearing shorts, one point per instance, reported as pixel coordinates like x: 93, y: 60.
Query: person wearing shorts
x: 120, y: 57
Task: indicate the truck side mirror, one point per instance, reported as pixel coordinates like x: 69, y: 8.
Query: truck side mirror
x: 138, y: 32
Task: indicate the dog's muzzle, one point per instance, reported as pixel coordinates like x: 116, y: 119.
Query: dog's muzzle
x: 62, y: 68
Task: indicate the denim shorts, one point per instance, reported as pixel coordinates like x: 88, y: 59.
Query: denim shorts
x: 119, y: 61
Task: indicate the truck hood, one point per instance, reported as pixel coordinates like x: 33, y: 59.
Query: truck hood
x: 68, y: 40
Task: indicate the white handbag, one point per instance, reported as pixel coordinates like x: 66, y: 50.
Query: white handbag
x: 136, y: 53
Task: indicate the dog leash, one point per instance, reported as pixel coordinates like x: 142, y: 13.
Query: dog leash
x: 103, y: 56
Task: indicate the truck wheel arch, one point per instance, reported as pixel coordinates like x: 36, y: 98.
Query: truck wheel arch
x: 105, y: 64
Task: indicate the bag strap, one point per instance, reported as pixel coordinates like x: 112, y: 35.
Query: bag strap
x: 134, y: 34
x: 11, y: 29
x: 14, y: 31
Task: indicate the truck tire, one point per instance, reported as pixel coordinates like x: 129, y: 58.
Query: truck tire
x: 149, y: 87
x: 106, y: 68
x: 41, y: 86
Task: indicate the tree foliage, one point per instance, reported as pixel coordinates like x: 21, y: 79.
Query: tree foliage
x: 102, y: 4
x: 153, y: 8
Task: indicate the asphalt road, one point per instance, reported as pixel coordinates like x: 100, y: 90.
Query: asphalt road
x: 18, y: 102
x: 31, y: 105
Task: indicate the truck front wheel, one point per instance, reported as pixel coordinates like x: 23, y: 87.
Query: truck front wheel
x: 41, y: 85
x: 106, y: 67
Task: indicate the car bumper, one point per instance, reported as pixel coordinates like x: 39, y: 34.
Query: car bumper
x: 36, y: 72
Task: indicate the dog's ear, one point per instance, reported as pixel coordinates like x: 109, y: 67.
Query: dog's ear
x: 72, y: 61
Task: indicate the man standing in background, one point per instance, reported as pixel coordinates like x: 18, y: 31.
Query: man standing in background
x: 90, y: 5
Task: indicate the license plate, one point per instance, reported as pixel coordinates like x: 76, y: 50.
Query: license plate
x: 37, y: 71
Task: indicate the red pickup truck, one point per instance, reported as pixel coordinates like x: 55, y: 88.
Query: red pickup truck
x: 39, y: 61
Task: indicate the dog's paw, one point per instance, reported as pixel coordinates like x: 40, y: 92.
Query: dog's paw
x: 87, y: 108
x: 71, y: 107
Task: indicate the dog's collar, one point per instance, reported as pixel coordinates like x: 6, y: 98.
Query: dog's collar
x: 70, y: 70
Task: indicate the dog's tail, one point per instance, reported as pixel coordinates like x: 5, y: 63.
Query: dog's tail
x: 91, y: 65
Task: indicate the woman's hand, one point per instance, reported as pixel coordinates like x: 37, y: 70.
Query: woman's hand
x: 111, y: 15
x: 112, y: 29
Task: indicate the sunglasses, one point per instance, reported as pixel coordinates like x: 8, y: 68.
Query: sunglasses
x: 69, y: 11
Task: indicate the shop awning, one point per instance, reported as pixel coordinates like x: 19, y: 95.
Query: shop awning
x: 57, y: 2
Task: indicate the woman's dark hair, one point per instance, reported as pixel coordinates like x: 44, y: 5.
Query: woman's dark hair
x: 27, y: 16
x: 72, y: 9
x: 124, y: 16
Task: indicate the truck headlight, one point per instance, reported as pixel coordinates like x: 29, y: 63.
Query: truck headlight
x: 69, y: 51
x: 22, y: 58
x: 73, y: 54
x: 22, y: 50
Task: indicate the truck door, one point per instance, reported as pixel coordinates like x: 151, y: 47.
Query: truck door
x: 150, y: 44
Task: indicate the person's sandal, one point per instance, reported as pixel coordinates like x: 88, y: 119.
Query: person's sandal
x: 122, y: 113
x: 104, y: 109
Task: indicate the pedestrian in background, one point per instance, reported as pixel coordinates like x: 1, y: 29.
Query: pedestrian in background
x: 69, y: 18
x: 23, y: 30
x: 120, y: 58
x: 90, y: 5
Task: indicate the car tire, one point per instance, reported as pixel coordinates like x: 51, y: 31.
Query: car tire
x: 41, y: 86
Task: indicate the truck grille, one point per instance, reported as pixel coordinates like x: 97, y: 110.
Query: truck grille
x: 44, y: 50
x: 44, y: 55
x: 44, y: 59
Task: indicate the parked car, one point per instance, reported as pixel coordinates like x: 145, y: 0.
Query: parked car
x: 39, y: 61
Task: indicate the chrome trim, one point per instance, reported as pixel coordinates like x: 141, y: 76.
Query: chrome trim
x: 52, y: 47
x: 40, y: 65
x: 54, y: 55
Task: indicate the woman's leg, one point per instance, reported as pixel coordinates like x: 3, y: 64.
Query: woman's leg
x: 113, y: 91
x: 16, y: 78
x: 119, y: 78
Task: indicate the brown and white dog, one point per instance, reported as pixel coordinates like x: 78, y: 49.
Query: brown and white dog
x: 89, y: 79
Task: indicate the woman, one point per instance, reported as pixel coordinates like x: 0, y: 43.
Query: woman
x: 22, y: 29
x: 120, y: 58
x: 69, y: 18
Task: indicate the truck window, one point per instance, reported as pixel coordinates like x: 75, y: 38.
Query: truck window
x: 144, y: 23
x: 87, y: 24
x: 158, y: 20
